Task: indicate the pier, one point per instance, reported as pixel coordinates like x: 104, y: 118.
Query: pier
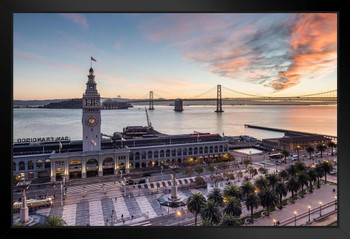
x: 288, y: 131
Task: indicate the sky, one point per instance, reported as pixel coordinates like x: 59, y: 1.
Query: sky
x: 180, y: 55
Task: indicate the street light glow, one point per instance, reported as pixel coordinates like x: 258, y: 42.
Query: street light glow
x: 295, y: 212
x: 309, y: 207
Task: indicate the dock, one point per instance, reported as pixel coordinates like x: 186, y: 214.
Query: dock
x: 287, y: 131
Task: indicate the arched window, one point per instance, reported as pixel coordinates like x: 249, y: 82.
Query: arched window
x: 179, y: 153
x: 173, y: 152
x: 201, y: 150
x: 190, y: 151
x: 167, y: 153
x: 184, y: 151
x: 195, y: 150
x: 205, y: 150
x: 143, y: 155
x: 137, y: 156
x: 211, y: 149
x: 21, y: 166
x: 30, y: 165
x: 131, y: 156
x: 155, y: 154
x: 162, y: 153
x: 48, y: 163
x: 39, y: 164
x: 149, y: 154
x: 216, y: 149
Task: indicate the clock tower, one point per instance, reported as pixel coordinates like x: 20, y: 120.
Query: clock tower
x: 91, y: 118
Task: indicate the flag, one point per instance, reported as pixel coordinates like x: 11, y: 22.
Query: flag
x: 123, y: 139
x: 93, y: 142
x: 60, y: 144
x: 93, y: 59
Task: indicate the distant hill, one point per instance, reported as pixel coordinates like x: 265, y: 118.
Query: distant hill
x: 35, y: 102
x: 66, y: 104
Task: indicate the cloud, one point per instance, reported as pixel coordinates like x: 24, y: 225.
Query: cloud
x: 275, y: 50
x: 76, y: 18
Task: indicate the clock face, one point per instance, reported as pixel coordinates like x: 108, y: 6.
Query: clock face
x: 91, y: 121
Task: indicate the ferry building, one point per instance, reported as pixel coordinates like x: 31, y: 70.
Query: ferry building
x: 93, y: 156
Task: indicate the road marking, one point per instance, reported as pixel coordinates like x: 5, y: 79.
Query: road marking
x: 95, y: 213
x: 69, y: 214
x: 146, y: 207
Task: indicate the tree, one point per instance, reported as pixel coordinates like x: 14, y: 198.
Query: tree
x: 189, y: 171
x: 281, y: 190
x: 231, y: 221
x: 263, y: 170
x: 199, y: 169
x: 223, y: 165
x: 300, y: 167
x: 233, y: 191
x: 303, y: 179
x: 233, y: 207
x: 321, y: 148
x: 247, y: 161
x: 261, y: 182
x: 320, y: 173
x: 239, y: 175
x: 216, y: 196
x: 327, y: 168
x: 252, y: 201
x: 211, y: 211
x: 291, y: 169
x: 211, y: 169
x: 293, y: 186
x: 272, y: 180
x: 252, y: 171
x: 247, y: 187
x: 310, y: 150
x: 332, y: 145
x: 312, y: 178
x: 268, y: 199
x: 283, y: 174
x: 206, y: 222
x: 55, y: 221
x: 285, y: 154
x: 195, y: 203
x: 199, y: 180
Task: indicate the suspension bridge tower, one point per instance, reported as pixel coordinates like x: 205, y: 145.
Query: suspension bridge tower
x: 218, y: 100
x: 151, y: 101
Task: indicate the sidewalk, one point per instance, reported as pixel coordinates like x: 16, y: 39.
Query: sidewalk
x: 324, y: 194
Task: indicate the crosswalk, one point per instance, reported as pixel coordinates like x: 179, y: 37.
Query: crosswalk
x: 96, y: 216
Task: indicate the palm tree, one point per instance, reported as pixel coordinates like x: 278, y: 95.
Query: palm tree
x: 320, y: 173
x: 261, y: 182
x: 211, y: 211
x: 216, y: 196
x: 206, y: 222
x: 293, y: 186
x: 312, y: 178
x: 268, y: 199
x: 327, y: 168
x: 199, y: 169
x: 233, y: 191
x: 55, y: 221
x: 195, y: 203
x: 189, y: 171
x: 300, y: 166
x: 321, y: 148
x: 303, y: 179
x: 281, y: 190
x: 239, y: 175
x: 332, y: 145
x: 263, y: 170
x: 285, y: 154
x: 233, y: 207
x: 310, y: 150
x: 230, y: 221
x: 252, y: 201
x: 247, y: 187
x: 272, y: 180
x: 291, y: 169
x: 283, y: 174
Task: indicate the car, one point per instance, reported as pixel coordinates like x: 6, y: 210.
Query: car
x: 333, y: 172
x: 146, y: 175
x: 130, y: 182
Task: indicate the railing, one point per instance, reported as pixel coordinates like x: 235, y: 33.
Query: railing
x: 308, y: 213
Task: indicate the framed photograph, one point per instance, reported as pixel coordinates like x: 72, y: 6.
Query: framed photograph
x: 177, y: 118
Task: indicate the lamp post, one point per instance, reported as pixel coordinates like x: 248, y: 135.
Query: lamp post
x: 61, y: 193
x: 309, y: 213
x: 295, y: 218
x: 298, y: 148
x: 274, y: 222
x: 161, y: 173
x: 335, y: 201
x: 320, y: 208
x: 178, y: 214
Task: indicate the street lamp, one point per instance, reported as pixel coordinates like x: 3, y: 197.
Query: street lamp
x: 320, y: 208
x: 298, y: 148
x: 274, y: 222
x: 335, y: 202
x: 178, y: 214
x: 309, y: 212
x: 295, y: 218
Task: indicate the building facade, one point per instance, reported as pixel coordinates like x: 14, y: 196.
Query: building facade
x: 94, y: 157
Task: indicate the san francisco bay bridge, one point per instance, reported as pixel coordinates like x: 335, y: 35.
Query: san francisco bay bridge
x: 223, y: 95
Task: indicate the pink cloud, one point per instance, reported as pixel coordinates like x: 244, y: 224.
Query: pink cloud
x: 76, y: 18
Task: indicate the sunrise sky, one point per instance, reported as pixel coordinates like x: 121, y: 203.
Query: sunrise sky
x: 175, y: 55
